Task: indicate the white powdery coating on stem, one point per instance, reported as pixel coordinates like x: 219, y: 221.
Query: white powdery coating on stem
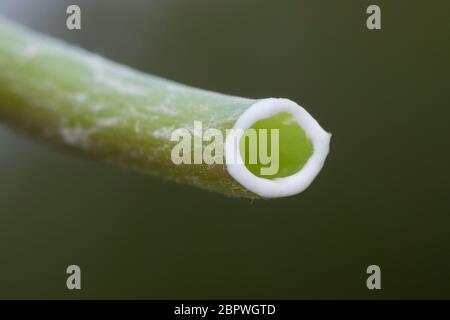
x: 163, y: 133
x: 286, y: 186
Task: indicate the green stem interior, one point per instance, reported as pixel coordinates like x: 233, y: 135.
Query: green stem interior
x: 294, y: 146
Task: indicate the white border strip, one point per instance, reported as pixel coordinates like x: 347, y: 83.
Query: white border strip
x: 279, y: 187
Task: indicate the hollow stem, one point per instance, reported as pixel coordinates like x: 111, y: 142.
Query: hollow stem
x: 81, y: 101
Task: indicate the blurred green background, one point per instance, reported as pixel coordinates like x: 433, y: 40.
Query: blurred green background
x: 382, y: 197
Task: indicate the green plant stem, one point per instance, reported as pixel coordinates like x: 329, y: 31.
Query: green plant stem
x: 82, y: 101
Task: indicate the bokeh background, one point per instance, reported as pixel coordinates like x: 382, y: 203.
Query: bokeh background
x: 382, y: 197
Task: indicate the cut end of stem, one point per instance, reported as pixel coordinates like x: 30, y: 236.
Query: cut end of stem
x: 299, y: 152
